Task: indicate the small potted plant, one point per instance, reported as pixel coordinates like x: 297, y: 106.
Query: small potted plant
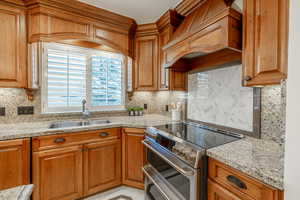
x: 131, y: 111
x: 136, y: 111
x: 141, y: 111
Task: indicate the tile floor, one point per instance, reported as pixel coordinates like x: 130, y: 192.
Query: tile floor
x: 135, y: 194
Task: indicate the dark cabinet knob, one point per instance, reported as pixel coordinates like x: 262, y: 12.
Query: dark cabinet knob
x: 237, y: 182
x: 104, y: 134
x: 247, y: 78
x: 59, y: 140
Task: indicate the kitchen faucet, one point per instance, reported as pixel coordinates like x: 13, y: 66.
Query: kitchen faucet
x: 85, y: 111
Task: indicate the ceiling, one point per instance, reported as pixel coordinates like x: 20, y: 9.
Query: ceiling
x: 143, y: 11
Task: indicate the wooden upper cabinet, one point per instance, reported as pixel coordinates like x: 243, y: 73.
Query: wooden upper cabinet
x: 53, y: 25
x: 76, y: 21
x: 14, y: 161
x: 168, y: 79
x: 57, y: 174
x: 13, y: 47
x: 133, y: 157
x: 146, y: 63
x: 163, y: 77
x: 102, y: 166
x: 265, y: 41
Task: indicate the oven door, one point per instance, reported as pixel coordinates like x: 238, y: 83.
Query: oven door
x: 167, y: 177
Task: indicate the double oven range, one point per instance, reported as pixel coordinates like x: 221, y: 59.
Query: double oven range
x: 176, y: 166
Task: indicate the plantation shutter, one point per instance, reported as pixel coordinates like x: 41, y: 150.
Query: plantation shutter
x: 66, y: 74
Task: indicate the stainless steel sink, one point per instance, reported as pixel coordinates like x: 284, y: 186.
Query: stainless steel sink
x: 68, y: 124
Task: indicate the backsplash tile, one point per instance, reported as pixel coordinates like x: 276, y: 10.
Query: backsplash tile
x: 272, y: 116
x: 273, y: 103
x: 12, y: 98
x: 217, y: 97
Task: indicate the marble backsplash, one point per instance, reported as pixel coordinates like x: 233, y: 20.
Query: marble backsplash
x: 217, y: 97
x: 273, y: 103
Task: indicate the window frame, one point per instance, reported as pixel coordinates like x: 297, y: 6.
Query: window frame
x: 88, y: 53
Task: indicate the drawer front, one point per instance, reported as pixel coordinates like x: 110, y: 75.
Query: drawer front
x: 239, y: 183
x: 60, y: 140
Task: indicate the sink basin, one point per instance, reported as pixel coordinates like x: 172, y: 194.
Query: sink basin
x: 68, y: 124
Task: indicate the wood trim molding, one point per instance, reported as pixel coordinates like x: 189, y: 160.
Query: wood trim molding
x: 146, y: 30
x: 187, y: 6
x: 86, y: 10
x: 171, y: 17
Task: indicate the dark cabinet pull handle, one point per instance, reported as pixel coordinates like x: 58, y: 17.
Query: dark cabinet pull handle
x: 59, y: 140
x: 237, y: 182
x: 104, y: 134
x: 247, y: 78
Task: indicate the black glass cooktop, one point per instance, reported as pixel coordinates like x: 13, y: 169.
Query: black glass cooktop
x: 197, y: 135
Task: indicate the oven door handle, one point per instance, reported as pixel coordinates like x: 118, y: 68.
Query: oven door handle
x: 162, y: 185
x: 179, y: 165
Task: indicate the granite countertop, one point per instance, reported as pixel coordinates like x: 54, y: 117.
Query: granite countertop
x: 260, y: 159
x: 25, y: 130
x: 17, y: 193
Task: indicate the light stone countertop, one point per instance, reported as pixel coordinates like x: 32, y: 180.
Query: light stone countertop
x: 260, y: 159
x: 17, y: 193
x: 26, y: 130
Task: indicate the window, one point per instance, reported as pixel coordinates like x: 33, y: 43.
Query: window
x: 71, y: 74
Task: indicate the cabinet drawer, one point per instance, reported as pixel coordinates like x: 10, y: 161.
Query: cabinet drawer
x: 60, y: 140
x: 239, y: 183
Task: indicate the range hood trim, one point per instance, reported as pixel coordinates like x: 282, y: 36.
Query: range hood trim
x: 224, y: 29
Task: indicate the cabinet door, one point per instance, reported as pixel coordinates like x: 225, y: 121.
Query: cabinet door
x: 13, y: 47
x: 169, y: 79
x: 177, y: 80
x: 216, y: 192
x: 14, y: 161
x: 133, y: 157
x: 145, y: 69
x: 102, y: 166
x: 57, y: 174
x: 265, y: 41
x: 163, y: 73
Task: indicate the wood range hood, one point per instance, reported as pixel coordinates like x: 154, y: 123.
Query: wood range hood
x: 209, y: 37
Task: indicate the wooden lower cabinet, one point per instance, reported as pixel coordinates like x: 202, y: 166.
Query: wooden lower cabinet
x: 216, y: 192
x: 226, y: 183
x: 102, y: 166
x: 57, y: 174
x: 133, y: 157
x: 14, y: 162
x: 72, y: 166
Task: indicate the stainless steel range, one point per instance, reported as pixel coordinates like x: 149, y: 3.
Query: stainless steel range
x: 176, y: 160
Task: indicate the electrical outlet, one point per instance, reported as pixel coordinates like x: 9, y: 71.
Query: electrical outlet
x: 2, y: 111
x: 26, y: 110
x: 145, y: 106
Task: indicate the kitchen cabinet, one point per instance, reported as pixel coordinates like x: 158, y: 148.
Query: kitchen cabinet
x: 133, y: 157
x: 57, y: 173
x: 265, y: 39
x: 216, y: 192
x: 71, y: 166
x: 227, y: 183
x: 14, y: 159
x: 146, y: 63
x: 169, y: 79
x: 13, y: 47
x: 102, y: 166
x: 70, y: 20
